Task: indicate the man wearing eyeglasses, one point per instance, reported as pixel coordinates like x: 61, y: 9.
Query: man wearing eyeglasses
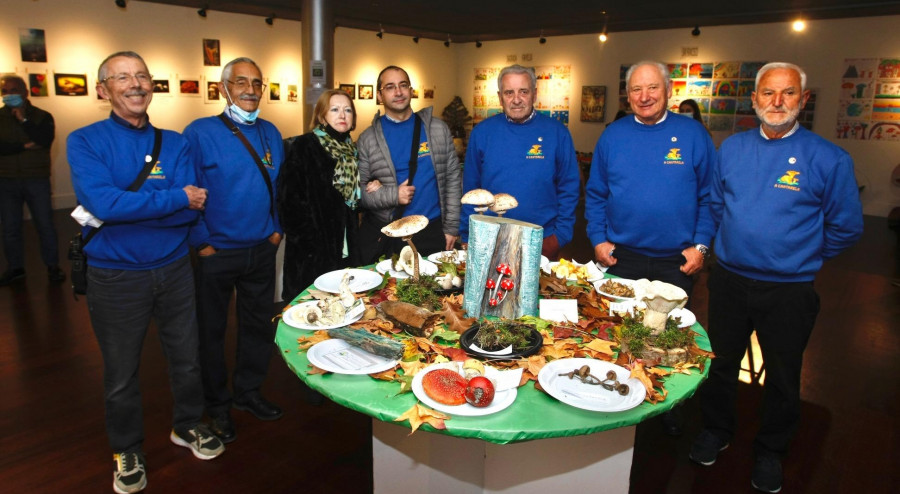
x: 402, y: 175
x: 139, y: 210
x: 238, y: 156
x: 528, y: 155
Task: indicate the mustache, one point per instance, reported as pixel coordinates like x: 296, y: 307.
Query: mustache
x: 249, y: 97
x: 137, y: 92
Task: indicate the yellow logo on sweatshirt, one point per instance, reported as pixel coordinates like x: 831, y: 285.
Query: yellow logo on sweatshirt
x: 157, y: 172
x: 788, y: 181
x: 535, y: 152
x: 424, y: 150
x: 673, y: 157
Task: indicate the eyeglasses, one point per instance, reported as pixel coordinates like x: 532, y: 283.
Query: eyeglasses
x: 404, y: 86
x: 244, y: 84
x: 143, y: 78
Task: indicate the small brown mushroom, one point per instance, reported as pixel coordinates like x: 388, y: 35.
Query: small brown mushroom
x: 405, y: 228
x: 503, y: 202
x: 480, y: 198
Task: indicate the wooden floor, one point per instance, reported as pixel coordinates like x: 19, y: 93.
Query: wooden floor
x: 52, y: 435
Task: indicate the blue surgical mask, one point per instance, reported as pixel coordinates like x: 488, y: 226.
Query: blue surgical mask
x: 236, y: 112
x: 13, y: 100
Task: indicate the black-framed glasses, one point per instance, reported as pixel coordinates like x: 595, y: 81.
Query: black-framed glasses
x: 244, y: 84
x: 404, y: 86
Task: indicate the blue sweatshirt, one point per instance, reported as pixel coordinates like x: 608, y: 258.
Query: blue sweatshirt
x: 534, y: 162
x: 399, y: 139
x: 237, y: 213
x: 648, y: 189
x: 783, y: 206
x: 145, y: 229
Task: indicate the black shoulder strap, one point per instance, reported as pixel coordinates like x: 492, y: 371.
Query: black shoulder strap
x: 413, y: 160
x: 149, y: 163
x: 259, y: 163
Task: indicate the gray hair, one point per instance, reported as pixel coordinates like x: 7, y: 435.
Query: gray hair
x: 229, y: 67
x: 516, y: 69
x: 101, y: 72
x: 17, y: 80
x: 782, y: 65
x: 663, y: 72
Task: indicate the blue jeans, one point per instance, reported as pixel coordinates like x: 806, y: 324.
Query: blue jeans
x: 251, y: 273
x: 121, y: 304
x: 14, y: 193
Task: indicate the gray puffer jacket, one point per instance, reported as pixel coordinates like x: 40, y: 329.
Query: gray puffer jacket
x: 375, y: 164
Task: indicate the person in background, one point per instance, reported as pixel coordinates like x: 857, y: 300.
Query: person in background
x: 139, y: 268
x: 238, y: 156
x: 785, y: 200
x: 690, y: 107
x: 26, y: 133
x: 388, y: 157
x: 318, y: 195
x: 527, y: 155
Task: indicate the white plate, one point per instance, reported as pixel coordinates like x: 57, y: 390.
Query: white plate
x: 502, y: 399
x: 623, y: 281
x: 436, y: 257
x: 362, y: 280
x: 687, y: 317
x: 340, y: 357
x: 291, y: 318
x: 544, y: 261
x: 594, y: 273
x: 425, y: 267
x: 590, y: 396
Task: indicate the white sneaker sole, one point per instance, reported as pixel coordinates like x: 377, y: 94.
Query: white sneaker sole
x: 138, y: 489
x: 181, y: 442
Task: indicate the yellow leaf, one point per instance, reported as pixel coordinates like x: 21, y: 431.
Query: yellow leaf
x: 418, y: 414
x: 411, y: 368
x: 308, y: 341
x: 602, y: 346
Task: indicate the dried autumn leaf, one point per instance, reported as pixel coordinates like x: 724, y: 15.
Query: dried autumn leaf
x: 411, y: 368
x: 455, y: 317
x: 405, y: 384
x: 388, y: 375
x: 315, y: 370
x: 602, y: 346
x: 308, y: 341
x: 562, y: 332
x: 418, y: 414
x: 653, y: 396
x: 534, y: 364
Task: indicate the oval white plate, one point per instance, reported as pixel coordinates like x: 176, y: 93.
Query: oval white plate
x: 590, y: 396
x: 623, y: 281
x: 425, y: 267
x: 362, y: 280
x: 502, y: 399
x: 291, y: 318
x: 340, y: 357
x: 594, y: 272
x: 436, y: 257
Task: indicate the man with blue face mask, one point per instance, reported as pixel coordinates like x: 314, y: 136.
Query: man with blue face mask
x: 26, y: 133
x: 238, y: 156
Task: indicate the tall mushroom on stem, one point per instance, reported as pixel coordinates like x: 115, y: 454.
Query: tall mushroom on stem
x: 503, y: 202
x: 480, y: 198
x: 405, y: 228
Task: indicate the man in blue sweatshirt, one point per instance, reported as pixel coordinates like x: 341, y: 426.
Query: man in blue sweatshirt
x: 647, y: 197
x: 238, y: 156
x: 527, y: 155
x: 138, y: 263
x: 785, y: 200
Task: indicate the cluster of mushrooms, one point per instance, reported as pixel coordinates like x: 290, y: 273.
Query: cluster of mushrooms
x: 484, y: 200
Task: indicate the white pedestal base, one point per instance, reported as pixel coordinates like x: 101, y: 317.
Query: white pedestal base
x: 437, y: 464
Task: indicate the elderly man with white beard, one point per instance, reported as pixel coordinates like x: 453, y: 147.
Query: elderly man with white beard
x: 784, y: 200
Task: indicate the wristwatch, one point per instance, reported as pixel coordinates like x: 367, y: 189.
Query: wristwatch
x: 703, y: 249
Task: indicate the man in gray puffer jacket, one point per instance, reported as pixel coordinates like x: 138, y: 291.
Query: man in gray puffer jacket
x: 403, y: 172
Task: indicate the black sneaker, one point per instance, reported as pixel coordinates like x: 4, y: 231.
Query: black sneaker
x: 767, y: 474
x: 130, y: 474
x: 223, y: 427
x: 203, y: 443
x: 55, y: 274
x: 12, y: 275
x: 706, y: 448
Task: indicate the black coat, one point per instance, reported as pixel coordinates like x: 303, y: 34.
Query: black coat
x: 313, y: 215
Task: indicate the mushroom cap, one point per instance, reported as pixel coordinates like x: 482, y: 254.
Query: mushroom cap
x: 503, y: 202
x: 406, y: 226
x: 477, y: 197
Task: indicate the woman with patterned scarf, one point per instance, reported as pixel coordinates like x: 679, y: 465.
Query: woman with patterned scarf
x: 318, y: 192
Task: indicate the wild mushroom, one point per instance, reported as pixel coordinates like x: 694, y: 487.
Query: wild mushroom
x: 405, y: 228
x: 661, y: 298
x: 503, y: 202
x: 480, y: 198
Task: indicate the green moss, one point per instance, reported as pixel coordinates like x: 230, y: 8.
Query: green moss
x: 495, y: 335
x: 421, y: 293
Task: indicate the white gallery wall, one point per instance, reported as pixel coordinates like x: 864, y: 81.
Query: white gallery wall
x: 80, y: 34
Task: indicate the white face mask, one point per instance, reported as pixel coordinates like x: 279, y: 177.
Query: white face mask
x: 236, y: 112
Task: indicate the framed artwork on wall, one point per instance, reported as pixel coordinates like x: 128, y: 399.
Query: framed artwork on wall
x: 70, y: 84
x: 274, y: 92
x: 211, y: 93
x: 293, y: 96
x: 161, y: 86
x: 366, y: 91
x: 33, y: 45
x: 189, y: 87
x: 38, y: 84
x: 350, y: 89
x: 211, y: 53
x: 593, y: 103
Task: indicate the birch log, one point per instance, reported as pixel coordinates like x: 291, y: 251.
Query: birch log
x: 372, y: 343
x: 494, y: 241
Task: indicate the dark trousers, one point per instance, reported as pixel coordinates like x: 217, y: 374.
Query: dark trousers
x: 783, y: 315
x: 372, y: 244
x: 14, y: 193
x: 121, y: 304
x: 633, y: 266
x: 250, y: 272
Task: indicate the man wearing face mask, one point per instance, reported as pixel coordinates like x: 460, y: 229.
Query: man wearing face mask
x: 26, y: 133
x: 238, y: 156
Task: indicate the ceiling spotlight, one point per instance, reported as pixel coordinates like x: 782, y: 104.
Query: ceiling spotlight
x: 542, y: 39
x: 695, y: 31
x: 270, y: 20
x: 380, y: 32
x: 120, y: 3
x: 415, y: 39
x: 603, y: 37
x: 202, y: 12
x: 477, y: 44
x: 447, y: 43
x: 799, y: 25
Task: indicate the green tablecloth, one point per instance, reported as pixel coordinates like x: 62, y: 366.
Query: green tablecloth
x: 534, y: 414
